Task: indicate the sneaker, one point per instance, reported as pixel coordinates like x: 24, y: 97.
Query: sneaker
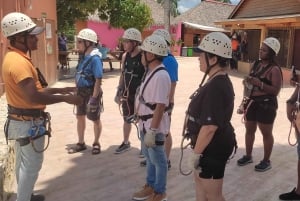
x: 123, y: 147
x: 143, y: 194
x: 143, y: 163
x: 169, y: 164
x: 244, y: 160
x: 290, y: 196
x: 158, y: 197
x: 263, y: 166
x: 37, y: 197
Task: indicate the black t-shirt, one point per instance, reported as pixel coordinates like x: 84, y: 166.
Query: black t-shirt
x: 213, y: 105
x: 133, y: 72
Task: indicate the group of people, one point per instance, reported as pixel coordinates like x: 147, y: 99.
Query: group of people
x: 239, y: 44
x: 146, y: 96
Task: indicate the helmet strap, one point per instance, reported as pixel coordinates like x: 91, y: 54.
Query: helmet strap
x: 86, y: 47
x: 134, y: 45
x: 149, y: 61
x: 209, y: 67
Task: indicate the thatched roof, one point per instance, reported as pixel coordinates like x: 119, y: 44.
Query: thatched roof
x: 206, y: 13
x: 156, y: 9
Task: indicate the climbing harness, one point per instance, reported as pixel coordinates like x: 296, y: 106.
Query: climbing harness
x: 40, y: 125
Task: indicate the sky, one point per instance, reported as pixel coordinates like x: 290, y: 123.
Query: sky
x: 184, y: 5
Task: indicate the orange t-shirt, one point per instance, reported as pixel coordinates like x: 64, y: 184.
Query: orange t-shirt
x: 234, y: 44
x: 16, y: 67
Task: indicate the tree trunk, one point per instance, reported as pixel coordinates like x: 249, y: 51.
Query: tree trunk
x: 167, y: 14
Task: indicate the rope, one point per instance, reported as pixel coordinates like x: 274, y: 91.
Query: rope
x: 182, y: 147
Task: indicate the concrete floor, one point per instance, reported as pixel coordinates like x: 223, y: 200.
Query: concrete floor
x: 110, y: 177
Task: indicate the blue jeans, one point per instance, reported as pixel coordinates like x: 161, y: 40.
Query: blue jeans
x: 157, y: 167
x: 28, y: 161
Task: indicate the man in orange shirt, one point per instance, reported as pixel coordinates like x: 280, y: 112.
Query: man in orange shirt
x: 27, y: 123
x: 235, y: 51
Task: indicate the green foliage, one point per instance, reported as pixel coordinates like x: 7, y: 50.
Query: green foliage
x: 118, y: 13
x: 68, y: 11
x: 126, y: 13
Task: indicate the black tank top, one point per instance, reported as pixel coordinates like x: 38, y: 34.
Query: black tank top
x: 133, y: 72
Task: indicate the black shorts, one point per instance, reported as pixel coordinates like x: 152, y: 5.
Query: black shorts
x: 212, y: 168
x: 262, y: 111
x: 128, y: 106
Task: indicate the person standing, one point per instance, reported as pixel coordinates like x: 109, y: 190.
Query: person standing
x: 154, y: 122
x: 209, y: 118
x: 292, y: 108
x: 130, y: 79
x: 172, y: 67
x: 88, y: 82
x: 264, y: 83
x: 62, y: 42
x: 27, y: 121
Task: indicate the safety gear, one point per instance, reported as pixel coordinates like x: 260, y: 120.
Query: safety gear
x: 216, y: 43
x: 15, y: 22
x: 272, y: 43
x: 163, y: 33
x: 156, y: 45
x: 88, y: 34
x: 132, y: 34
x: 149, y: 138
x: 194, y: 161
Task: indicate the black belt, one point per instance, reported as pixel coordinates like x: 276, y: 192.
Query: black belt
x: 145, y: 117
x: 25, y: 112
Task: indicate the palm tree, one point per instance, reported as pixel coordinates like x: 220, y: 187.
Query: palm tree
x: 170, y: 8
x: 173, y: 6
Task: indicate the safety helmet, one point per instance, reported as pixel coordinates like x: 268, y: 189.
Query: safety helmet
x: 88, y: 34
x: 15, y: 22
x: 272, y: 43
x: 156, y: 45
x: 132, y: 34
x: 216, y: 43
x: 163, y: 33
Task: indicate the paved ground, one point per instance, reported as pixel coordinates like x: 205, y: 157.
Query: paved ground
x: 110, y: 177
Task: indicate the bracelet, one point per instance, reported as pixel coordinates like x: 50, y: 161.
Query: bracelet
x: 261, y: 86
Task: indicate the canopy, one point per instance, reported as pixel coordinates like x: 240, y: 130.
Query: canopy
x: 205, y: 28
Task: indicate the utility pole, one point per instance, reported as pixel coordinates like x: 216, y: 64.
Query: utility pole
x: 167, y: 12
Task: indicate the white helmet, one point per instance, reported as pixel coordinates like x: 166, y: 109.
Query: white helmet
x: 272, y: 43
x: 15, y: 22
x: 132, y: 34
x: 88, y: 34
x: 156, y: 45
x: 163, y: 33
x: 216, y: 43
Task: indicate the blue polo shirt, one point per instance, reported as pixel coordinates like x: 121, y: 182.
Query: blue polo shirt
x: 88, y: 70
x: 172, y: 67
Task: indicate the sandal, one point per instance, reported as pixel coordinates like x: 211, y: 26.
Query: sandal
x: 96, y: 149
x: 77, y: 148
